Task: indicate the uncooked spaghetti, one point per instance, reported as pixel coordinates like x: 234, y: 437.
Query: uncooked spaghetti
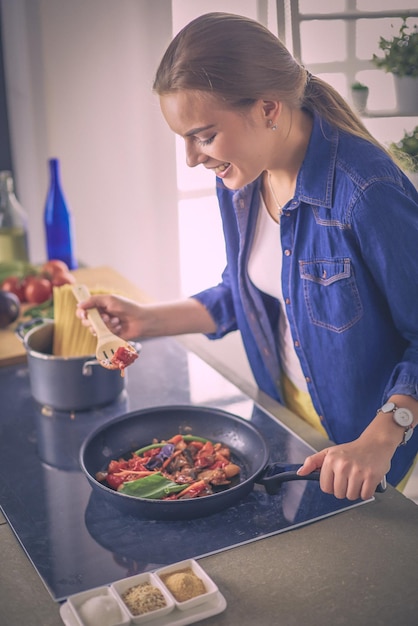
x: 71, y: 338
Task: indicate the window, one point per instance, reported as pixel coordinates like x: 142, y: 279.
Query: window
x: 350, y: 31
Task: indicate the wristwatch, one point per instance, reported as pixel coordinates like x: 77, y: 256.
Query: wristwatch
x: 401, y: 416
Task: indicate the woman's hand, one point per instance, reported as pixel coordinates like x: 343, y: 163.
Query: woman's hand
x: 131, y: 320
x: 123, y: 317
x: 351, y: 470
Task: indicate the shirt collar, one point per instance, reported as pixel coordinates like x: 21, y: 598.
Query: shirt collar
x: 316, y: 176
x: 315, y: 181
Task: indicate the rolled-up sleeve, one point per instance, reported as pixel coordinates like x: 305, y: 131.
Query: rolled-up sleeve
x: 219, y: 303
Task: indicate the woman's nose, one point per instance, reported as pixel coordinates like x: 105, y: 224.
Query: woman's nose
x: 193, y: 155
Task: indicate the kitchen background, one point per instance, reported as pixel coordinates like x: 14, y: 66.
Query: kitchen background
x: 78, y: 77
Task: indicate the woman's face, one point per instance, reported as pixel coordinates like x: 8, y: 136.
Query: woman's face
x: 234, y: 145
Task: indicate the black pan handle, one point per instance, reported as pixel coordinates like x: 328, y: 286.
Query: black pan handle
x: 275, y: 474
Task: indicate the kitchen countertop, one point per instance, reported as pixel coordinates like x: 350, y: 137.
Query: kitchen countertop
x: 357, y: 567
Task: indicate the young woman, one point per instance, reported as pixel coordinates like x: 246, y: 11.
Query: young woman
x: 321, y: 233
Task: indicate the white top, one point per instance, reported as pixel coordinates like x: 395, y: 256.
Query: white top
x: 265, y: 271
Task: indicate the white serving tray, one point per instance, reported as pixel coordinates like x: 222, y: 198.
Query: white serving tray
x: 174, y: 618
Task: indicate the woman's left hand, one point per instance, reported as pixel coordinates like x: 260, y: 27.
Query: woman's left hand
x: 351, y: 470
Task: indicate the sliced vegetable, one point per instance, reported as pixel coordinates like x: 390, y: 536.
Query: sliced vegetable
x: 158, y: 459
x: 155, y: 486
x: 181, y: 466
x: 152, y: 446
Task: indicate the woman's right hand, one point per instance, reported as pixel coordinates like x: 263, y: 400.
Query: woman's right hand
x: 131, y: 320
x: 123, y: 317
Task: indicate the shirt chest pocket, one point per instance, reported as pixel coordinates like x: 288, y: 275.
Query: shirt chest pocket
x: 331, y: 294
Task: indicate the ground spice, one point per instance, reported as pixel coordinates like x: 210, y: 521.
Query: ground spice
x: 143, y: 599
x: 184, y: 584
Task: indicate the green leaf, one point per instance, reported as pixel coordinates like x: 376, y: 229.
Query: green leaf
x: 45, y: 309
x: 154, y: 487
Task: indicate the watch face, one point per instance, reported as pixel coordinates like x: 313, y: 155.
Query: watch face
x: 403, y: 417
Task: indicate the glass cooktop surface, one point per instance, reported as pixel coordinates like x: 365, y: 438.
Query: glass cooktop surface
x: 75, y: 538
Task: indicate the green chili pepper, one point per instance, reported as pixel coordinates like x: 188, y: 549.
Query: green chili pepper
x: 193, y: 438
x: 152, y: 446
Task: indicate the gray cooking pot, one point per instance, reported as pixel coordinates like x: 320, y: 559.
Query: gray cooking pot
x: 66, y: 383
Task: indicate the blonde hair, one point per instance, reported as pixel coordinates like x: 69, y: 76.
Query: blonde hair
x: 240, y: 61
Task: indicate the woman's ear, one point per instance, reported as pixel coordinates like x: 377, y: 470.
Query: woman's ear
x: 271, y: 109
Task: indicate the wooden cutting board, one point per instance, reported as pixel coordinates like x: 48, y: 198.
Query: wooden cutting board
x: 12, y: 351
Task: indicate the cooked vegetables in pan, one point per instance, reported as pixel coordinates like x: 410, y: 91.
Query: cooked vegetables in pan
x: 182, y: 467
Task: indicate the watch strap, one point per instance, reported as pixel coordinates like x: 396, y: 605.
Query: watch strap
x: 391, y: 407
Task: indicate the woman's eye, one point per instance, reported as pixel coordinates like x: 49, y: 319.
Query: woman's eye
x: 205, y: 142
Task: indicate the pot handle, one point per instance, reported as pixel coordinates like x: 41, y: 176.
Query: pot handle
x: 275, y: 474
x: 24, y: 327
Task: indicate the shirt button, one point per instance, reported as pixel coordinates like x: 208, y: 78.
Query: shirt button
x: 297, y: 344
x: 287, y: 301
x: 287, y: 252
x: 308, y: 380
x: 241, y: 203
x: 266, y: 351
x: 321, y: 418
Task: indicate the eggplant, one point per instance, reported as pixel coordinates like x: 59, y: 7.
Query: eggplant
x: 9, y: 308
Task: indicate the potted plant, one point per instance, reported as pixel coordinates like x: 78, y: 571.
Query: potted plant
x: 406, y: 153
x: 401, y: 59
x: 359, y: 95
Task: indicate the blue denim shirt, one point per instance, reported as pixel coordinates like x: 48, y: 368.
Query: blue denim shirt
x: 349, y: 279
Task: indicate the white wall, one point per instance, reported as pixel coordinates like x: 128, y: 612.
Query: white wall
x: 79, y: 75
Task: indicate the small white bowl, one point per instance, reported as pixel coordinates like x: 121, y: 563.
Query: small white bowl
x: 210, y: 587
x: 121, y: 586
x: 101, y: 596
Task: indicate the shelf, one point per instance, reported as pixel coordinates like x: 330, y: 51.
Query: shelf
x: 390, y: 113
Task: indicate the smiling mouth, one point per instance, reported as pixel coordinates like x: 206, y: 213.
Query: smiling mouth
x: 221, y: 168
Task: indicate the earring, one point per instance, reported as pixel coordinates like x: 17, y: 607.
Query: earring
x: 271, y: 125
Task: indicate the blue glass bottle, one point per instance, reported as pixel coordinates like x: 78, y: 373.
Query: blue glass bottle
x: 58, y: 220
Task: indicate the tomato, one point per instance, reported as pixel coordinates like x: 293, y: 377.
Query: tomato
x: 13, y: 284
x: 114, y: 481
x: 57, y: 272
x: 54, y: 266
x: 38, y: 290
x: 62, y: 278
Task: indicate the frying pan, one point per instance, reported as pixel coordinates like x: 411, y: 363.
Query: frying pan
x: 130, y: 432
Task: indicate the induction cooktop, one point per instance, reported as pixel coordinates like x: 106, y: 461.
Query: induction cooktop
x: 74, y: 538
